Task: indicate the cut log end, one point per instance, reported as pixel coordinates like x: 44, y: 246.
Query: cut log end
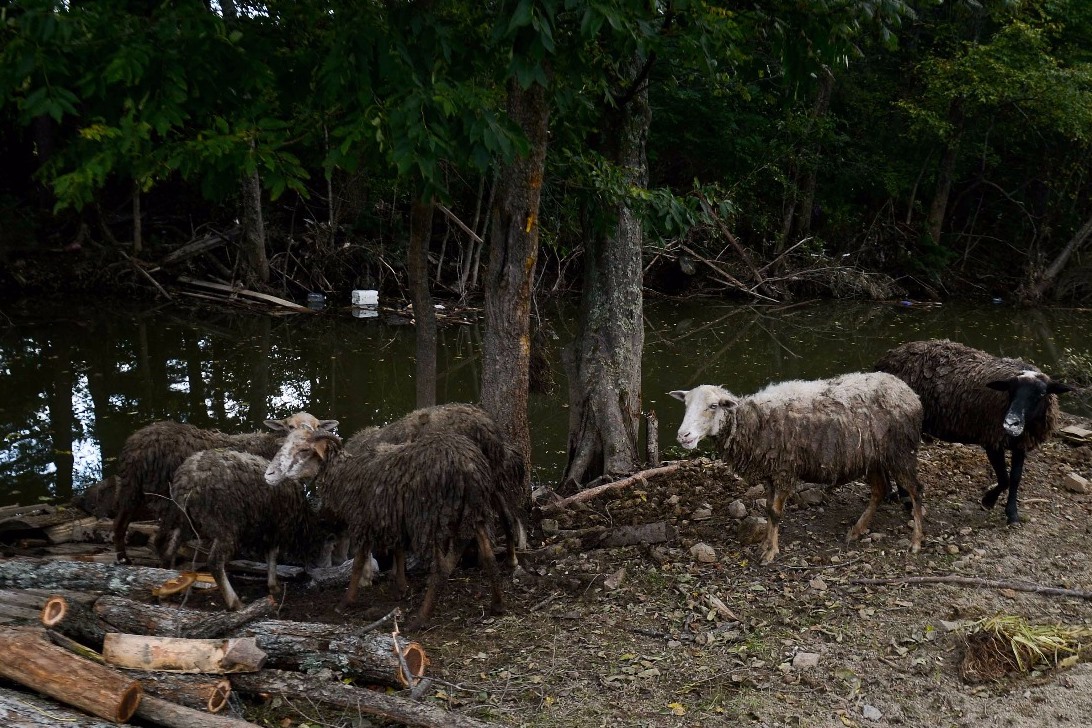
x: 54, y: 611
x: 219, y: 698
x: 416, y: 661
x: 129, y: 702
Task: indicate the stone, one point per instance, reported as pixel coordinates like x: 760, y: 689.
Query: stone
x: 952, y: 549
x: 870, y: 713
x: 736, y: 509
x: 550, y: 526
x: 755, y: 491
x: 818, y: 584
x: 615, y: 580
x: 703, y: 552
x: 702, y: 514
x: 805, y: 660
x: 751, y: 530
x: 810, y: 497
x: 1075, y: 483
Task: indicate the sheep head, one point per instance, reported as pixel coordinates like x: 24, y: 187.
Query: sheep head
x: 299, y: 420
x: 707, y: 408
x: 302, y: 455
x: 1028, y: 392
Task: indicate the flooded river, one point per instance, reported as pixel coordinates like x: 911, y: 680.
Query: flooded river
x: 75, y: 382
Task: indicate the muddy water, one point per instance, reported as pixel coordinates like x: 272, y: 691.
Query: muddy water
x: 75, y: 383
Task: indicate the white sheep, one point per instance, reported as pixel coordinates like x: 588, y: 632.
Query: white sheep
x: 828, y: 431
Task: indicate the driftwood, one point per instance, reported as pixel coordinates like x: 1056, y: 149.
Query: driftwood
x: 971, y: 581
x: 133, y: 617
x: 237, y: 291
x: 306, y: 688
x: 178, y: 654
x: 23, y: 573
x: 31, y: 660
x: 207, y: 693
x: 24, y: 710
x: 310, y: 646
x: 585, y: 495
x: 172, y: 715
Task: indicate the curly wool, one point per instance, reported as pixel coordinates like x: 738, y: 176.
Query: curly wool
x: 951, y: 380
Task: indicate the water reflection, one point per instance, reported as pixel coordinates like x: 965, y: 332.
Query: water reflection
x: 75, y: 385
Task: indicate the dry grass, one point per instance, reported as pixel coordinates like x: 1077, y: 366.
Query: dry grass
x: 1003, y: 643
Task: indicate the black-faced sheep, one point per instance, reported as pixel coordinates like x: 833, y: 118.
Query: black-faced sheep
x: 828, y: 431
x: 152, y: 454
x: 975, y: 398
x: 432, y: 494
x: 224, y: 496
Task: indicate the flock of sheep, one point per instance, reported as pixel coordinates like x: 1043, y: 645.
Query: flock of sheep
x: 443, y: 477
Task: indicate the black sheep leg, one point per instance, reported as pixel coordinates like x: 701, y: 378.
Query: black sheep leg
x: 997, y: 460
x: 1014, y: 484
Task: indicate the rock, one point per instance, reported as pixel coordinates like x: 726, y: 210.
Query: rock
x: 751, y: 530
x: 1075, y: 483
x: 615, y: 580
x: 550, y: 526
x: 673, y: 500
x: 736, y: 509
x: 810, y: 497
x: 952, y: 549
x: 818, y: 584
x: 870, y: 713
x: 702, y: 514
x: 703, y: 552
x: 805, y: 660
x: 754, y: 492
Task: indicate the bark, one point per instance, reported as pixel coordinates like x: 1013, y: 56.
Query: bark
x: 513, y: 253
x: 179, y: 654
x: 257, y: 265
x: 74, y: 620
x: 293, y: 686
x: 26, y: 710
x: 605, y: 359
x: 22, y: 573
x: 308, y: 647
x: 652, y: 439
x: 934, y: 223
x: 31, y: 660
x: 162, y: 712
x: 126, y: 615
x: 1039, y: 289
x: 424, y: 313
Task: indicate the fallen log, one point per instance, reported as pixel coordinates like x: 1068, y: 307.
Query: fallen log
x: 976, y: 582
x: 162, y: 712
x: 311, y: 646
x: 78, y: 529
x: 585, y: 495
x: 294, y: 686
x: 25, y: 710
x: 35, y: 521
x: 133, y: 617
x: 178, y: 654
x: 605, y: 538
x: 74, y: 620
x: 207, y: 693
x: 18, y: 605
x: 31, y: 660
x: 24, y: 573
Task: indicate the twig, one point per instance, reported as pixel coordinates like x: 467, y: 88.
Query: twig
x: 980, y: 583
x: 544, y: 602
x: 823, y: 566
x: 459, y: 223
x: 395, y: 613
x: 590, y: 493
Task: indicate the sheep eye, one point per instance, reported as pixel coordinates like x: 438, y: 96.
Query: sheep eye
x: 712, y: 406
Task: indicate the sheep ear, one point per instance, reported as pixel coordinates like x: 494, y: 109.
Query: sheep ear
x: 320, y: 448
x: 679, y: 394
x: 277, y: 425
x: 1002, y: 385
x: 327, y: 425
x: 728, y: 403
x: 1059, y: 388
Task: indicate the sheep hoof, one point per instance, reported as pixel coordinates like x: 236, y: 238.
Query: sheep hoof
x: 768, y: 557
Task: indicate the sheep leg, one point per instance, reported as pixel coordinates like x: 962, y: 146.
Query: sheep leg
x: 878, y: 481
x: 1011, y: 512
x: 489, y: 563
x: 361, y: 559
x: 996, y: 457
x: 340, y: 553
x: 271, y: 572
x: 443, y: 563
x: 401, y: 585
x: 916, y: 508
x: 775, y: 504
x: 218, y: 555
x: 121, y: 528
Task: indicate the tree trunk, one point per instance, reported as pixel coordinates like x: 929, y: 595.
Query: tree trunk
x: 162, y: 712
x: 513, y: 241
x: 294, y: 686
x: 31, y: 660
x: 138, y: 236
x: 802, y: 219
x: 1036, y: 291
x: 604, y: 361
x: 424, y: 313
x: 126, y: 615
x: 207, y: 693
x: 257, y: 265
x: 21, y: 573
x: 26, y: 710
x: 934, y: 223
x: 180, y: 654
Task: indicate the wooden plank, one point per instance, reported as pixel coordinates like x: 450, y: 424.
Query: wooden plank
x: 245, y: 292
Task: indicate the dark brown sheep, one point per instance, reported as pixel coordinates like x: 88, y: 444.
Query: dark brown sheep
x: 223, y: 496
x: 432, y: 495
x: 976, y: 398
x: 828, y: 431
x: 152, y: 454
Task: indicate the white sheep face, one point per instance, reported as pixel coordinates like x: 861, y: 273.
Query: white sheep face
x: 300, y: 457
x: 707, y: 408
